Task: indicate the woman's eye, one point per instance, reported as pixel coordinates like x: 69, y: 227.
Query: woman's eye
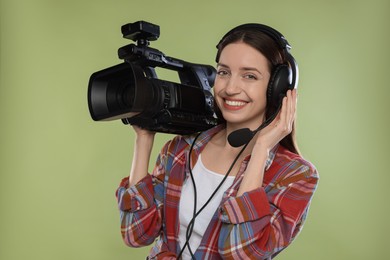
x: 222, y: 73
x: 250, y: 76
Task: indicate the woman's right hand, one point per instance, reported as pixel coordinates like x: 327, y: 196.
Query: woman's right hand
x: 142, y: 149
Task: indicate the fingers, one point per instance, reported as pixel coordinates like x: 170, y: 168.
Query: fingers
x: 294, y: 101
x: 288, y: 112
x: 282, y: 125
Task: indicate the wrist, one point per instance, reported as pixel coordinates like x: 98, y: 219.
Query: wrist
x: 261, y: 151
x: 144, y: 138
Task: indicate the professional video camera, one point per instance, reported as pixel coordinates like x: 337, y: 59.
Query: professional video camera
x: 132, y: 92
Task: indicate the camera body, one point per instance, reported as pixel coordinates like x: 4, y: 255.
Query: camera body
x: 132, y: 92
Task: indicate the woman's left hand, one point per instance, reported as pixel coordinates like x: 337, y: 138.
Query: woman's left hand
x: 281, y: 126
x: 266, y: 139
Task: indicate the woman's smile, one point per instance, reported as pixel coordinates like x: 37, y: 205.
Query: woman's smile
x: 231, y: 104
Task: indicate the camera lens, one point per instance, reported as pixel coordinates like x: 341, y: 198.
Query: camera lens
x: 118, y: 92
x: 125, y: 95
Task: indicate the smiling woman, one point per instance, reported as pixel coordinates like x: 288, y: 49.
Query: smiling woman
x: 61, y: 167
x: 252, y: 209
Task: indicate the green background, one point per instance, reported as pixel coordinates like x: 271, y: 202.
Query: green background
x: 59, y: 169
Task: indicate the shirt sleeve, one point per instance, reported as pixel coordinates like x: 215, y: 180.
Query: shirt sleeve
x: 141, y: 206
x: 261, y: 223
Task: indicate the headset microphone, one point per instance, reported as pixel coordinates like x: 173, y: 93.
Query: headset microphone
x: 240, y: 137
x: 244, y: 135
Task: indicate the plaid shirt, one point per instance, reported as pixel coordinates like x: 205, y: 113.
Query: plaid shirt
x: 257, y: 225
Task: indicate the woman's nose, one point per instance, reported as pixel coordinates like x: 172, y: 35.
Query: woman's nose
x: 233, y: 86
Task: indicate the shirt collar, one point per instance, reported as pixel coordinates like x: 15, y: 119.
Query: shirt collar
x: 203, y: 138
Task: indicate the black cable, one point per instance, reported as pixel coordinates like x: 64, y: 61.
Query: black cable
x: 270, y: 119
x: 191, y: 224
x: 195, y: 213
x: 195, y: 197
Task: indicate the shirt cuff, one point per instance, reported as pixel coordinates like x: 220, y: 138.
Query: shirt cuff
x: 136, y: 197
x: 252, y: 205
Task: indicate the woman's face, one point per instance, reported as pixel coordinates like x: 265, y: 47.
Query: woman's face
x: 241, y: 85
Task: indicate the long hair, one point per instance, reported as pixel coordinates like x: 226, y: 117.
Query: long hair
x: 275, y: 56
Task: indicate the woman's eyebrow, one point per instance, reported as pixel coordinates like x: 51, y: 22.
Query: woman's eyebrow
x: 251, y: 69
x: 243, y: 68
x: 222, y: 65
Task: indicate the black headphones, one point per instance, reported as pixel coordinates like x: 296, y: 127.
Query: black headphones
x: 284, y: 76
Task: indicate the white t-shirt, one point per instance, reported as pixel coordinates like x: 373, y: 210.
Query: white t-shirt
x: 206, y: 182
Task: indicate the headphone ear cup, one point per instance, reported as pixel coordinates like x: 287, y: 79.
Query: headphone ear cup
x: 278, y: 85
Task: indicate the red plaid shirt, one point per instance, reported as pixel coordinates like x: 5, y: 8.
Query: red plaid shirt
x: 257, y: 225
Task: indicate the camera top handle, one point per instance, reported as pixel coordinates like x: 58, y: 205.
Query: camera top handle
x: 148, y: 58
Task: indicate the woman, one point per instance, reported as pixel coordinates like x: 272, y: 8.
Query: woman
x: 207, y: 198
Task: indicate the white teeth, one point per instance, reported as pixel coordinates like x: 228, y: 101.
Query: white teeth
x: 234, y: 103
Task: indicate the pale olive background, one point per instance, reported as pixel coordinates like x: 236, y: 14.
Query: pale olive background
x: 59, y: 169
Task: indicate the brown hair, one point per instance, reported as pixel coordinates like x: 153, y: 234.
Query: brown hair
x: 275, y: 56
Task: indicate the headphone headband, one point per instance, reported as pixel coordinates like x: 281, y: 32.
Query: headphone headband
x: 279, y: 39
x: 271, y: 32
